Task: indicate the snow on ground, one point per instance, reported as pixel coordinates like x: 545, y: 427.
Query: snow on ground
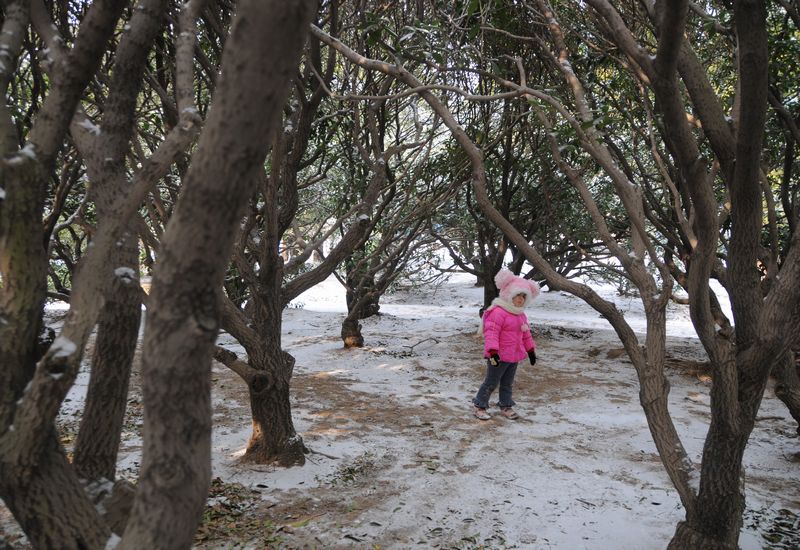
x: 578, y: 471
x: 399, y: 461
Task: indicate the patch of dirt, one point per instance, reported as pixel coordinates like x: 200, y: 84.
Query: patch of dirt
x: 689, y: 367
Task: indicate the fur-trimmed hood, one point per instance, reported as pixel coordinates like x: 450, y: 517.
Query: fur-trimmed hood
x: 510, y: 285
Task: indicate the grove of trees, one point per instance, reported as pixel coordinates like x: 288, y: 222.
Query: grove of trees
x: 240, y: 153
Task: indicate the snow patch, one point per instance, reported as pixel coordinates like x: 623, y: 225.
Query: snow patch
x: 90, y: 126
x: 127, y: 274
x: 26, y: 153
x: 113, y: 541
x: 62, y: 347
x: 578, y: 470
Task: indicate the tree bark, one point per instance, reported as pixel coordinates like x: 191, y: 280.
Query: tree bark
x: 101, y: 425
x: 362, y: 300
x: 351, y: 333
x: 97, y: 445
x: 23, y: 267
x: 490, y: 291
x: 274, y: 439
x: 36, y: 481
x: 258, y: 65
x: 50, y: 504
x: 787, y: 386
x: 716, y: 519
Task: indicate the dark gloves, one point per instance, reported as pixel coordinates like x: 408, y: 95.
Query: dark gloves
x: 494, y: 358
x: 532, y: 356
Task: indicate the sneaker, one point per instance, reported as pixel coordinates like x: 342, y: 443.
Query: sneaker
x: 509, y: 413
x: 481, y: 414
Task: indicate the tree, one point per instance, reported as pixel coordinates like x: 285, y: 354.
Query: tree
x: 392, y: 149
x: 712, y: 518
x: 257, y: 73
x: 257, y: 69
x: 261, y: 269
x: 31, y: 459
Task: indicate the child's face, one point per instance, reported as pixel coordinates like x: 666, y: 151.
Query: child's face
x: 518, y: 300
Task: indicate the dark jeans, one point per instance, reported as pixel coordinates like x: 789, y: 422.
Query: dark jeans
x: 502, y: 375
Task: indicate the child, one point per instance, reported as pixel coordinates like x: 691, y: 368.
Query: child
x: 507, y: 340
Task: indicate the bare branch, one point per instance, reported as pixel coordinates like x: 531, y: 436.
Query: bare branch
x: 16, y: 14
x: 71, y: 74
x: 670, y: 35
x: 623, y: 36
x: 245, y: 371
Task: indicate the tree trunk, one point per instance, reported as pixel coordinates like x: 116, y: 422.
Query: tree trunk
x: 258, y: 64
x: 686, y: 538
x: 23, y: 273
x: 50, y: 504
x: 274, y: 439
x: 362, y: 300
x: 716, y: 520
x: 787, y: 387
x: 490, y: 291
x: 351, y: 333
x: 101, y: 425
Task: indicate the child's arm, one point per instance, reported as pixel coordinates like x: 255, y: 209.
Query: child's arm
x: 530, y: 343
x: 491, y: 334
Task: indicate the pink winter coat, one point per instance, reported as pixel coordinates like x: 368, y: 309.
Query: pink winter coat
x: 508, y: 333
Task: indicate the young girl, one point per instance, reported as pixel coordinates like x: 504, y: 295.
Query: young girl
x: 507, y: 340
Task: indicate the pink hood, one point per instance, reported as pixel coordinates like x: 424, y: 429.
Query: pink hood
x: 510, y: 285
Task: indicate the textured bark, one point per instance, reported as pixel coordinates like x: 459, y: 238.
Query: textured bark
x: 36, y: 481
x: 716, y: 519
x: 787, y: 386
x: 23, y: 268
x: 746, y: 195
x: 258, y: 65
x: 351, y: 334
x: 117, y: 506
x: 267, y: 373
x: 274, y: 439
x: 490, y: 291
x: 362, y: 300
x: 49, y: 503
x: 101, y: 425
x: 97, y: 445
x: 268, y: 300
x: 686, y: 538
